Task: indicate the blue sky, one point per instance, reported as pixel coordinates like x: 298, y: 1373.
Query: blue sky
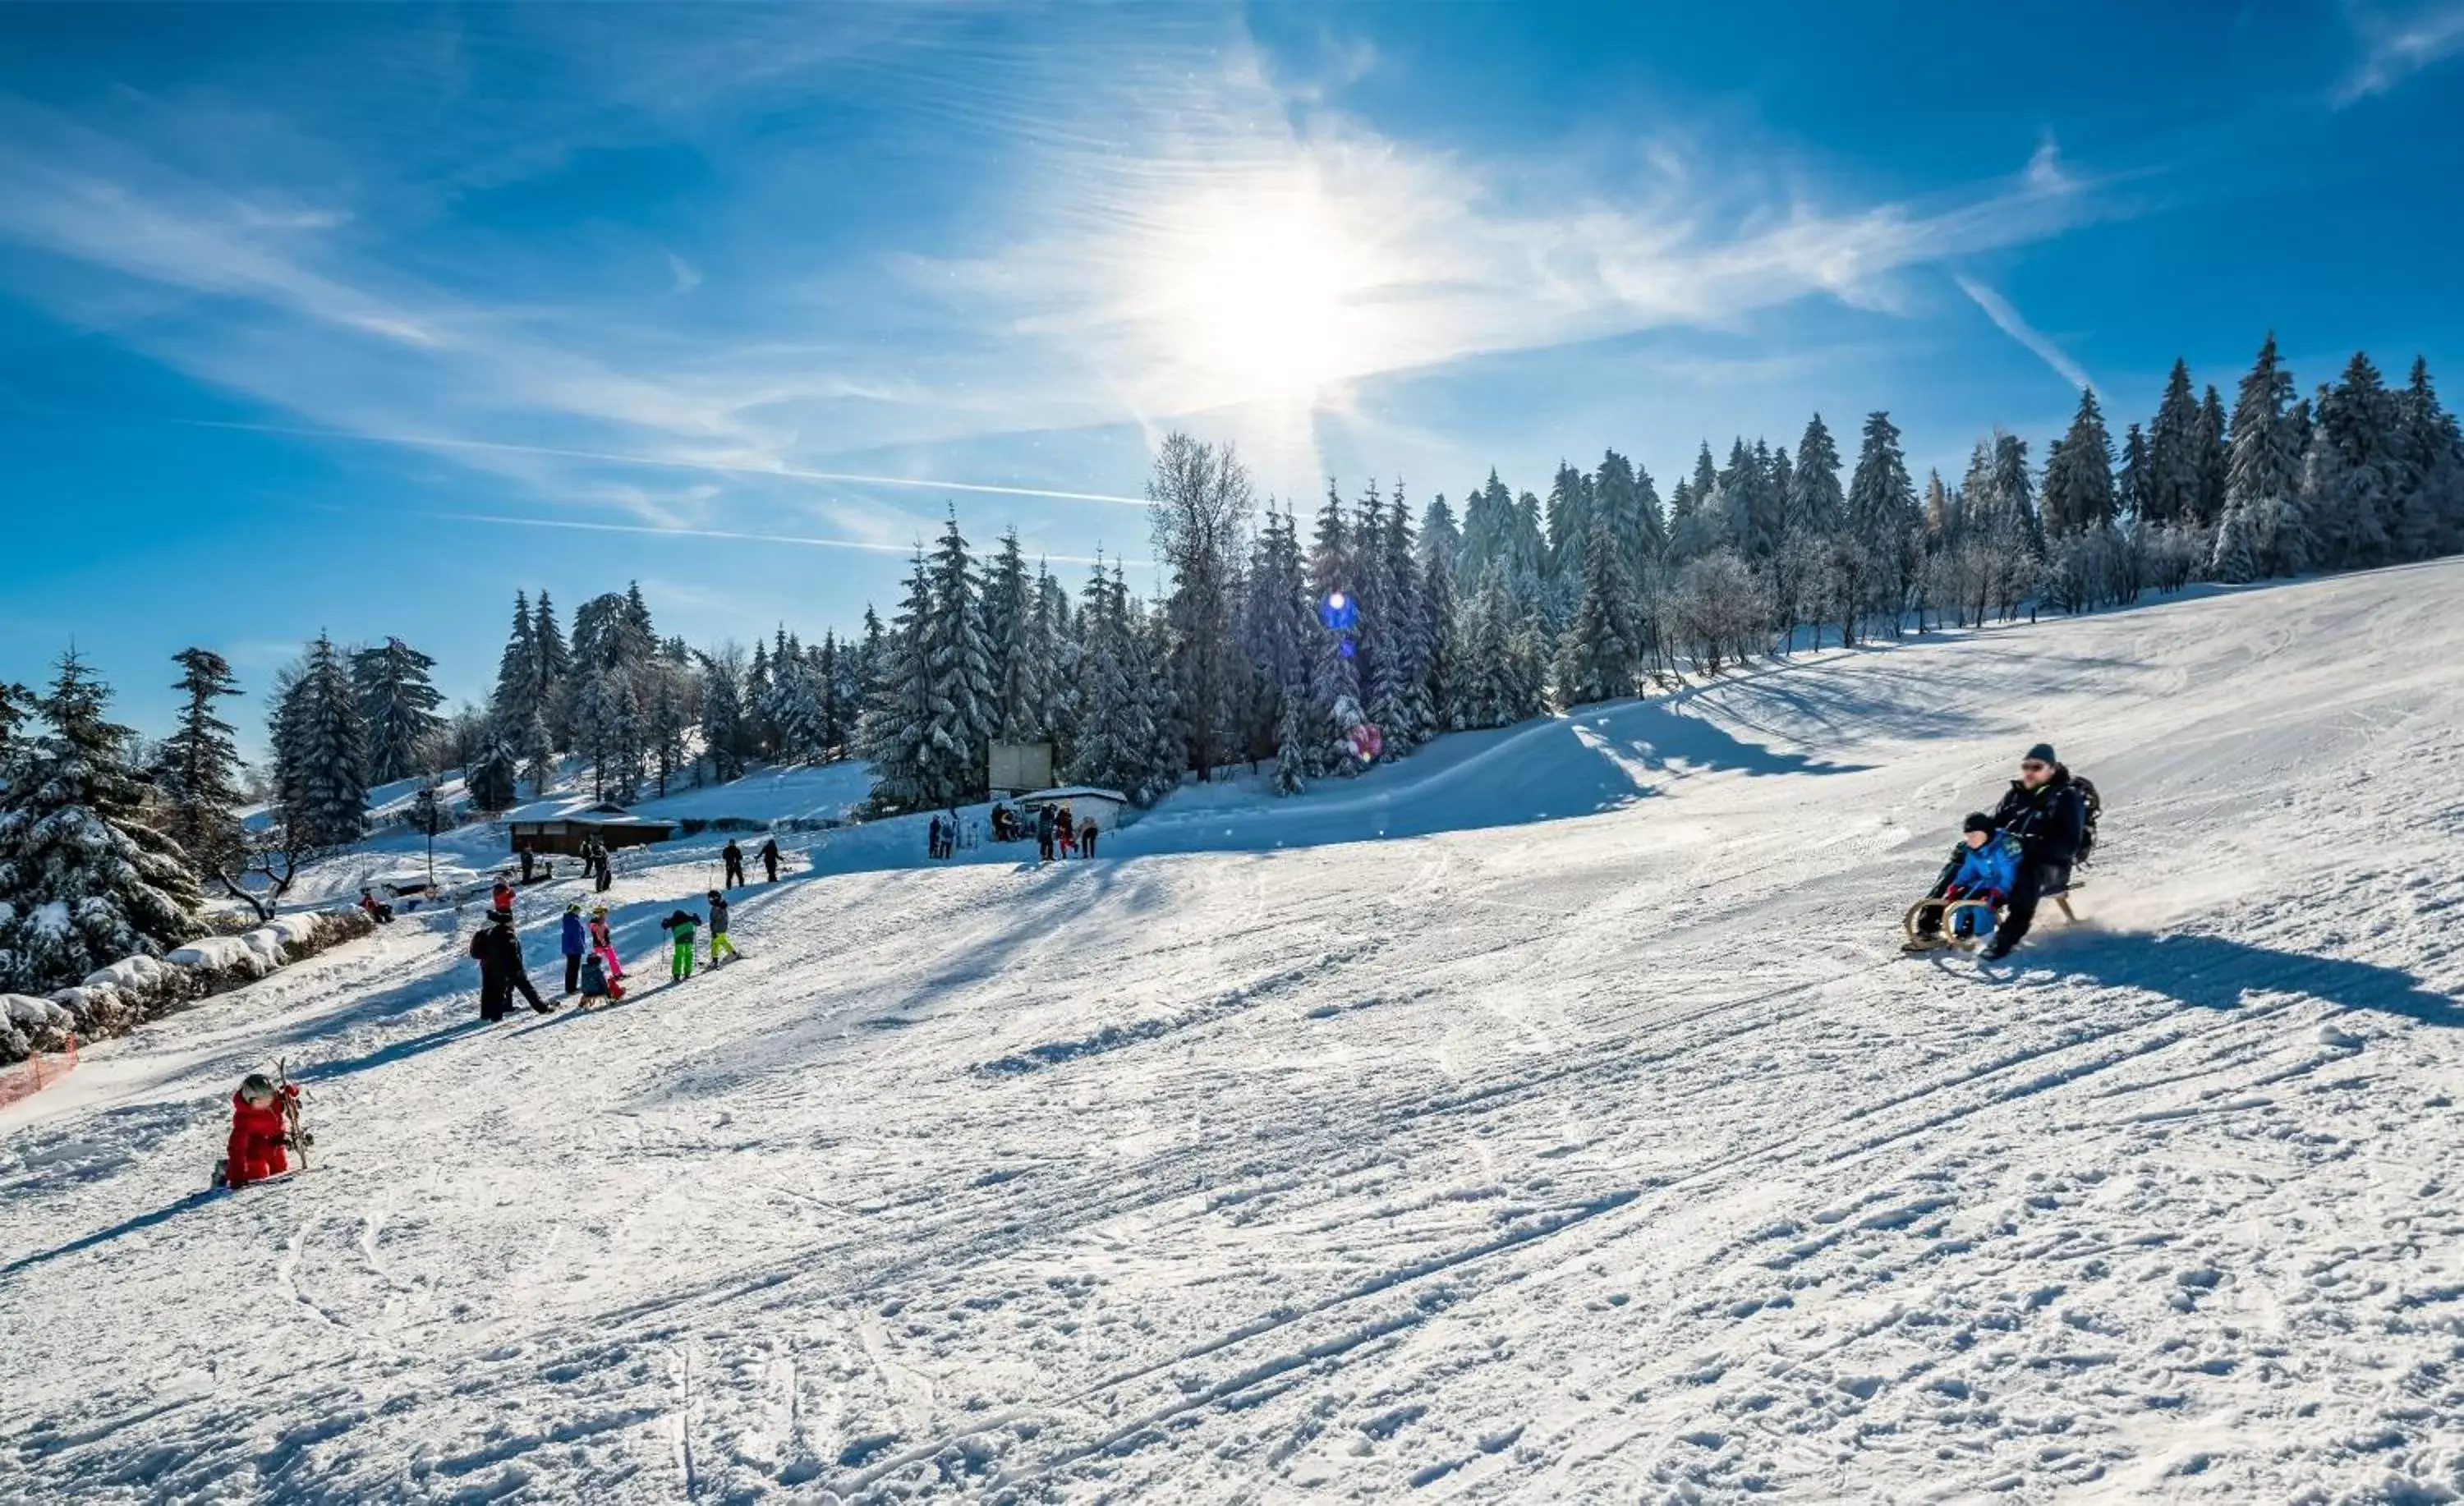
x: 359, y: 318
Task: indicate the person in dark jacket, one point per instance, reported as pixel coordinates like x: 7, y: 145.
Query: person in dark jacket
x: 721, y: 949
x: 680, y: 928
x: 1086, y: 836
x: 575, y: 944
x: 1044, y: 825
x: 2046, y: 813
x: 770, y: 858
x: 502, y: 973
x: 734, y: 856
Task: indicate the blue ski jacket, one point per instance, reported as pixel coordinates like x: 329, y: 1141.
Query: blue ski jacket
x: 573, y: 945
x: 1994, y: 865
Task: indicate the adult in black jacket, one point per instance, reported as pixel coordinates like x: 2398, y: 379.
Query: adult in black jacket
x: 735, y: 857
x: 502, y: 973
x: 770, y: 858
x: 2046, y: 812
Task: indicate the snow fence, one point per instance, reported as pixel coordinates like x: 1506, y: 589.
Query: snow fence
x: 130, y: 992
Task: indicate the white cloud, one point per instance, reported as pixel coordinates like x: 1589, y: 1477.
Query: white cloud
x: 687, y: 277
x: 2007, y: 318
x: 2396, y: 47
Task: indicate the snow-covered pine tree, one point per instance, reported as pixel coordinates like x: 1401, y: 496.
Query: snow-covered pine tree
x: 2212, y: 459
x: 2078, y: 476
x: 85, y: 880
x: 759, y: 729
x: 911, y: 769
x: 320, y: 750
x: 2174, y: 473
x: 1402, y: 708
x: 1597, y: 657
x: 1880, y: 509
x: 1440, y: 653
x: 551, y: 669
x: 2260, y: 483
x: 398, y: 703
x: 2433, y: 456
x: 1569, y: 513
x: 1200, y: 499
x: 197, y: 768
x: 2359, y: 416
x: 722, y: 711
x: 1441, y: 536
x: 2134, y: 484
x: 490, y: 778
x: 17, y: 709
x: 962, y: 670
x: 518, y: 668
x: 1009, y: 624
x: 1116, y: 733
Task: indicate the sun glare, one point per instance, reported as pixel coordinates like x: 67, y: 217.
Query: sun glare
x: 1258, y: 302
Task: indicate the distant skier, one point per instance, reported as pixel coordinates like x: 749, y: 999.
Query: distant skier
x: 2046, y: 811
x: 770, y: 858
x: 1087, y: 837
x: 680, y: 928
x: 721, y: 948
x: 1044, y: 823
x: 260, y: 1127
x: 575, y: 940
x: 502, y: 973
x: 932, y: 840
x: 528, y: 862
x: 734, y: 857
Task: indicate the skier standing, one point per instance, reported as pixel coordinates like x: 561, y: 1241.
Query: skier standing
x: 770, y: 858
x: 261, y: 1125
x: 573, y: 941
x: 2047, y: 813
x: 734, y: 856
x: 679, y: 928
x: 1044, y: 823
x: 502, y: 973
x: 932, y: 840
x: 721, y: 948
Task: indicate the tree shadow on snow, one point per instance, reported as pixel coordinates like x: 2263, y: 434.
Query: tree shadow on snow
x: 2214, y: 972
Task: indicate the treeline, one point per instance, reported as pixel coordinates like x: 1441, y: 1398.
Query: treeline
x: 1318, y: 647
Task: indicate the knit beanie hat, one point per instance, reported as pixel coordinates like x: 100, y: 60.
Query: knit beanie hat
x: 1977, y: 822
x: 2042, y: 753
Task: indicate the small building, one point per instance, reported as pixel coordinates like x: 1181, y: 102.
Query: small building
x: 562, y: 825
x: 1083, y: 800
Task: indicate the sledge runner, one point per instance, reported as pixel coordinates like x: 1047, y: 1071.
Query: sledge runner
x: 680, y: 928
x: 734, y: 857
x: 265, y: 1121
x: 770, y: 858
x: 2047, y: 812
x: 721, y: 948
x: 498, y: 947
x: 1975, y: 882
x: 572, y: 939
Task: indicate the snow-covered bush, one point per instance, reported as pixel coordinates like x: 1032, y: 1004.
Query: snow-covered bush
x: 29, y: 1024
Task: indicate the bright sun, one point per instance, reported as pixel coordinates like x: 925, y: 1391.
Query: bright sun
x: 1259, y: 303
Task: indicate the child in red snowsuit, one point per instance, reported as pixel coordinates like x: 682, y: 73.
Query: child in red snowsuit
x: 260, y: 1122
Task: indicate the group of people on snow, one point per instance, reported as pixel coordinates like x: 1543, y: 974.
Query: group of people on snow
x: 1054, y: 830
x: 2010, y: 858
x: 731, y: 857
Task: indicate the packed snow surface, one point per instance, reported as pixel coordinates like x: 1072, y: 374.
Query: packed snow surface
x: 1547, y: 1117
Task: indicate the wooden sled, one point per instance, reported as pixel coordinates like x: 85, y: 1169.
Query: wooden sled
x: 1945, y: 931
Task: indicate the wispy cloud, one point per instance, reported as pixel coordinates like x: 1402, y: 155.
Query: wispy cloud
x: 2396, y: 47
x: 1999, y: 309
x: 729, y: 536
x: 686, y: 275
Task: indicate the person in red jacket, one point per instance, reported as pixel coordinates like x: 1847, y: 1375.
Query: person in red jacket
x: 261, y: 1121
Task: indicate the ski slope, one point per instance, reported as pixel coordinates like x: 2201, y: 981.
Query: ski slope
x: 1546, y: 1117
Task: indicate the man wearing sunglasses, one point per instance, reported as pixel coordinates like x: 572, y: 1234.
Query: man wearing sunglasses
x: 2046, y: 811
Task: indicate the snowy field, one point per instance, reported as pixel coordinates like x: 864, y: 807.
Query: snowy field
x: 1547, y: 1118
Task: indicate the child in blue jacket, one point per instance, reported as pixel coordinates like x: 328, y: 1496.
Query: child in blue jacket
x: 1985, y: 867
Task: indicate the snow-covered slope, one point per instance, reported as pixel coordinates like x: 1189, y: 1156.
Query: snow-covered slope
x: 1547, y: 1118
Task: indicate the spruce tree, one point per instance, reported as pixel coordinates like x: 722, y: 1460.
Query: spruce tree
x: 321, y: 746
x: 2134, y: 485
x: 1597, y: 657
x: 2263, y: 473
x: 85, y: 879
x: 2212, y: 460
x: 398, y: 701
x: 198, y: 768
x: 2079, y: 477
x: 1881, y: 508
x: 2359, y: 417
x: 2175, y: 469
x: 551, y: 673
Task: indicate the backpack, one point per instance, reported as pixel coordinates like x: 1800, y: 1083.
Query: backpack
x: 2093, y: 804
x: 479, y: 945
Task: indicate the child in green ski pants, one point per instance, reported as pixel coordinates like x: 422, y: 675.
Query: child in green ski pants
x: 679, y: 928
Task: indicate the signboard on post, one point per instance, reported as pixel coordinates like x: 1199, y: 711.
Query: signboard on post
x: 1019, y: 766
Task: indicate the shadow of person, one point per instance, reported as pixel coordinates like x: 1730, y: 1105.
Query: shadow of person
x: 104, y: 1236
x: 2214, y: 972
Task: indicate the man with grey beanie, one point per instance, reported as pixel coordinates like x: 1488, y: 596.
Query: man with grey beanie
x: 2046, y: 810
